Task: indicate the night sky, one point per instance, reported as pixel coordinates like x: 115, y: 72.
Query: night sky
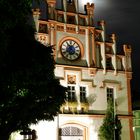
x: 122, y: 18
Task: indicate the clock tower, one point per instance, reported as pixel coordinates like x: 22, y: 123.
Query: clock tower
x: 71, y: 27
x: 88, y: 64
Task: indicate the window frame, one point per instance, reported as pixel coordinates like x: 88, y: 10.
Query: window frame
x: 83, y: 94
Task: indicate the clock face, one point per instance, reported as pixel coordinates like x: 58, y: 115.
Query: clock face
x: 70, y: 50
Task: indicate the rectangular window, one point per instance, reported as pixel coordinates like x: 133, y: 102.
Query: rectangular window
x: 83, y: 94
x: 110, y: 92
x: 71, y: 93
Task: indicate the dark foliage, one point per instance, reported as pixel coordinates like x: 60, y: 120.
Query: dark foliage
x: 29, y: 91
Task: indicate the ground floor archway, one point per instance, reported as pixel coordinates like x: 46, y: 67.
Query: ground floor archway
x: 72, y: 132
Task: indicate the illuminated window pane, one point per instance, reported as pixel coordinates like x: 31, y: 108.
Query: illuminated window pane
x: 110, y: 92
x: 71, y: 93
x: 83, y: 94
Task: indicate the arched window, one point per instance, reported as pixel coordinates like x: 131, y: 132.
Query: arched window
x: 71, y: 131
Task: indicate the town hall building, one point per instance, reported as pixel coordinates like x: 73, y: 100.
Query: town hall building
x: 88, y: 64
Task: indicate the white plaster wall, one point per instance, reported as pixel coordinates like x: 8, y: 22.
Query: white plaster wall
x: 97, y: 91
x: 120, y: 95
x: 59, y: 71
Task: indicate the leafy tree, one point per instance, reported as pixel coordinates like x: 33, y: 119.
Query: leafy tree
x: 29, y: 91
x: 111, y: 126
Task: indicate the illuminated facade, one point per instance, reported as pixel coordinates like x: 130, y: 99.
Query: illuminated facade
x: 88, y: 64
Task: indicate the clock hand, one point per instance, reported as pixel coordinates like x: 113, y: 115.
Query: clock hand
x: 67, y: 43
x: 73, y: 43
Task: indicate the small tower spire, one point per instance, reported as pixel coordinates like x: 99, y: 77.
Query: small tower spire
x: 90, y: 13
x: 36, y: 16
x: 127, y: 50
x: 51, y: 8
